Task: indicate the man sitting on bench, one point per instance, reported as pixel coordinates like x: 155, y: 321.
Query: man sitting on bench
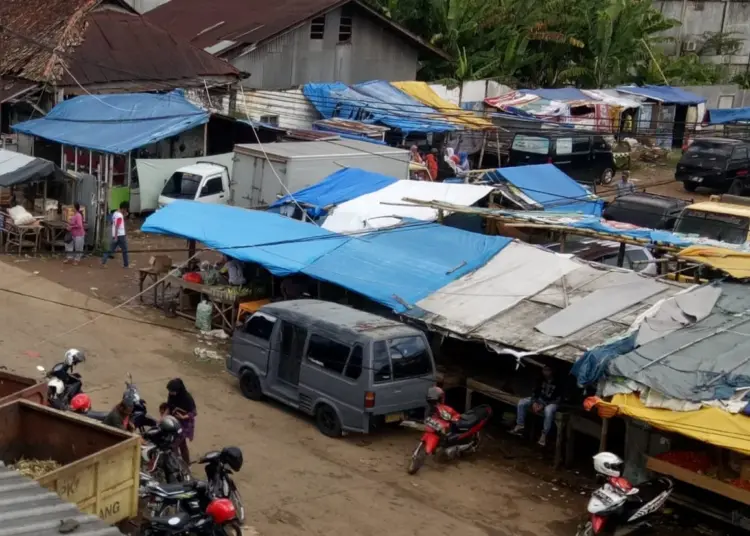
x: 545, y: 399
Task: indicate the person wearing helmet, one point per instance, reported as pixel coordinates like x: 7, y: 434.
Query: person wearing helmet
x: 73, y: 357
x: 120, y: 416
x: 545, y: 399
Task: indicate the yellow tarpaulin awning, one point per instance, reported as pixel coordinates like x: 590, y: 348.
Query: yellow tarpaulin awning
x: 734, y: 263
x: 710, y: 425
x: 424, y: 93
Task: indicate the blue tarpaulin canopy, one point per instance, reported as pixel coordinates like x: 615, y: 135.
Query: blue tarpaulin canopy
x: 339, y: 100
x: 342, y: 186
x: 551, y: 188
x: 665, y: 94
x: 565, y: 94
x: 385, y: 92
x: 728, y: 115
x: 116, y: 123
x: 396, y: 267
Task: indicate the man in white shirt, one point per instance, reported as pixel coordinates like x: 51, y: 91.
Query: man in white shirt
x: 118, y: 235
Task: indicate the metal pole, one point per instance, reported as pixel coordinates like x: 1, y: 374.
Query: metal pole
x: 621, y: 255
x: 130, y: 168
x: 75, y: 160
x: 205, y: 139
x: 91, y: 158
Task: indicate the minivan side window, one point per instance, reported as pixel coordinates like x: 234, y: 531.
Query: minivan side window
x: 381, y: 363
x: 740, y: 153
x: 327, y: 353
x: 581, y: 145
x: 260, y: 325
x: 409, y: 357
x: 564, y: 146
x: 531, y: 144
x: 354, y: 366
x: 212, y: 186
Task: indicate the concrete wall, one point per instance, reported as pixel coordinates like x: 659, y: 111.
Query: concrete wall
x: 724, y: 96
x: 293, y: 59
x: 708, y: 16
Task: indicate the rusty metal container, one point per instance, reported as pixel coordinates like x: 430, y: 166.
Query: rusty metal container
x: 13, y: 387
x: 100, y: 466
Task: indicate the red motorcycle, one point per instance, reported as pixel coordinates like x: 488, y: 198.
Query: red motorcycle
x: 448, y: 433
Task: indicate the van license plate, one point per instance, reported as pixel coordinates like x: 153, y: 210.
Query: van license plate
x: 696, y: 179
x: 394, y: 417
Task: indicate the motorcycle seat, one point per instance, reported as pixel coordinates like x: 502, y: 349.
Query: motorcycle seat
x: 473, y: 416
x: 176, y: 521
x: 179, y: 488
x: 97, y: 415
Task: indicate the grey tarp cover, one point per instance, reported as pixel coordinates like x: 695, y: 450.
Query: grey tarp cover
x: 17, y: 168
x: 706, y: 360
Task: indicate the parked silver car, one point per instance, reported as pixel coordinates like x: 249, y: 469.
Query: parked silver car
x: 351, y: 370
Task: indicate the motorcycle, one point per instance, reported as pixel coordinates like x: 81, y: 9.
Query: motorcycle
x: 219, y: 466
x: 62, y: 386
x: 140, y: 417
x: 448, y: 437
x: 217, y: 519
x: 618, y: 508
x: 159, y: 458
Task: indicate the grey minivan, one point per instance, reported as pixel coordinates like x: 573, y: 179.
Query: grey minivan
x: 351, y: 370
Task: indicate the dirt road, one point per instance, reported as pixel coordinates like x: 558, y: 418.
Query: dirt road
x: 295, y: 481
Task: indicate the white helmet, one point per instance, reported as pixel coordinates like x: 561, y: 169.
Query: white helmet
x: 608, y: 464
x: 73, y: 357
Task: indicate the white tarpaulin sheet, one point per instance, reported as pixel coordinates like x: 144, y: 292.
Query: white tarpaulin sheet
x: 153, y: 174
x: 517, y: 272
x: 386, y: 207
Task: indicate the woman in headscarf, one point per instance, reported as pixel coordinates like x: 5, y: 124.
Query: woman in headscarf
x: 182, y: 406
x: 414, y: 155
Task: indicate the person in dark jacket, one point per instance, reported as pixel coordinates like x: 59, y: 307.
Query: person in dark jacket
x: 182, y: 406
x: 546, y: 398
x: 121, y: 416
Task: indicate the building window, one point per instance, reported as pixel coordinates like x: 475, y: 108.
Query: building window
x: 345, y: 25
x: 318, y: 27
x: 270, y: 120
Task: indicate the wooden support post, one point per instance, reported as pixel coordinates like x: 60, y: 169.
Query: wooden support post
x: 467, y: 405
x: 603, y: 438
x: 441, y: 215
x: 621, y: 255
x: 191, y: 249
x: 563, y: 236
x: 205, y: 139
x: 481, y: 152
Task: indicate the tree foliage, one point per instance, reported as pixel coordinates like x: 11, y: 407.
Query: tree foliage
x: 550, y: 43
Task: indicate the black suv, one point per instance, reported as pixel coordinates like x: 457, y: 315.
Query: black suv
x: 645, y: 210
x: 714, y: 163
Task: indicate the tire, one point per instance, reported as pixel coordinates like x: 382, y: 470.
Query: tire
x: 586, y: 530
x: 234, y: 496
x: 250, y: 385
x: 327, y: 421
x: 607, y: 176
x: 230, y: 529
x: 417, y: 459
x: 689, y: 186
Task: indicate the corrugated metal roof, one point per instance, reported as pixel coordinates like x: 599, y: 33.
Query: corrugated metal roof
x: 248, y: 22
x: 352, y: 127
x: 26, y: 508
x: 99, y: 43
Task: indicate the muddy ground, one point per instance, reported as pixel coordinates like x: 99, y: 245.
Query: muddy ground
x: 295, y: 481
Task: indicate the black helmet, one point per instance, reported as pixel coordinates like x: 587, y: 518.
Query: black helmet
x: 128, y: 401
x: 232, y: 456
x: 170, y: 425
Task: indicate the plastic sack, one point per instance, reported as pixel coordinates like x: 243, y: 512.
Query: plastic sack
x: 203, y: 315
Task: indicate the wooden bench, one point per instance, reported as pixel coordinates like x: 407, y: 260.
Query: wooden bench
x: 485, y: 387
x: 20, y: 236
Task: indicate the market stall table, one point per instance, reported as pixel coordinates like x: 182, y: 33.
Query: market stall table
x: 225, y: 308
x: 54, y: 233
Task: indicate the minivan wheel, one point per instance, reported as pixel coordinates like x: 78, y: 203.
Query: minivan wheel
x: 689, y: 186
x: 250, y: 385
x: 607, y: 176
x: 327, y: 421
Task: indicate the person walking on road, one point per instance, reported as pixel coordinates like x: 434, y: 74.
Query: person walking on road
x: 77, y: 232
x: 182, y: 406
x: 625, y: 187
x: 118, y: 235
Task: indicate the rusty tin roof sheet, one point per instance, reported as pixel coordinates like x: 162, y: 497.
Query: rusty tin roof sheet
x: 28, y: 509
x: 99, y: 42
x: 230, y: 24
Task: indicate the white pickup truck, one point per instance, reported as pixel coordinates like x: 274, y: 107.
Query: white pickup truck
x: 204, y: 182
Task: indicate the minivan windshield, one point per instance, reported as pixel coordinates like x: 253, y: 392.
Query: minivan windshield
x: 409, y: 357
x: 182, y: 185
x: 713, y: 225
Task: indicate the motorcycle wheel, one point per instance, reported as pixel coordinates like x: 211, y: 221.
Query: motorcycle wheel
x: 231, y: 529
x: 586, y: 530
x: 417, y: 459
x: 234, y: 496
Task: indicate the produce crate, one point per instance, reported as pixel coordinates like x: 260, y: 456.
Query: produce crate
x: 100, y: 466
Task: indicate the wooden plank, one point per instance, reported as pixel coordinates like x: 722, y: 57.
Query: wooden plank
x: 492, y: 392
x: 702, y: 481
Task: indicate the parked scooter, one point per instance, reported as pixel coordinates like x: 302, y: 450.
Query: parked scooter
x: 447, y: 432
x: 63, y: 382
x: 194, y: 496
x: 218, y: 519
x: 617, y: 508
x: 159, y: 457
